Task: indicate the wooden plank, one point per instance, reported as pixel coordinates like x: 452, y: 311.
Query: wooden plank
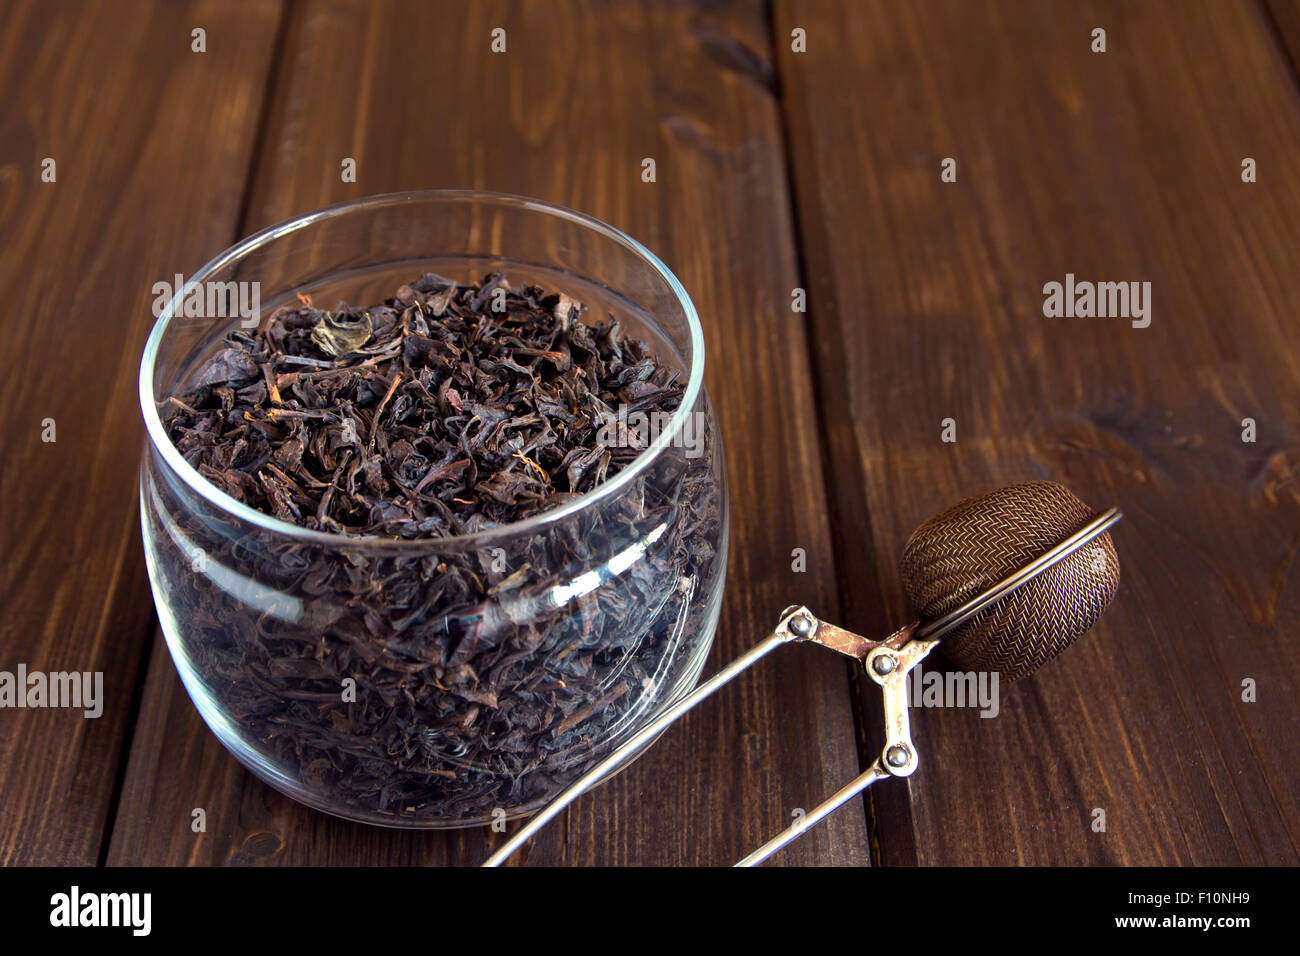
x: 1284, y: 17
x: 927, y: 303
x: 122, y: 106
x: 583, y: 94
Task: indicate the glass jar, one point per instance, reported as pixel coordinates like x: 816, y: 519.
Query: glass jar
x: 450, y: 681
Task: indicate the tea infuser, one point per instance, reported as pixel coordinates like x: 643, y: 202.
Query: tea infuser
x: 1003, y: 578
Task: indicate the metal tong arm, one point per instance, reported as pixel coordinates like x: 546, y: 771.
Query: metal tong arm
x: 888, y: 664
x: 796, y: 625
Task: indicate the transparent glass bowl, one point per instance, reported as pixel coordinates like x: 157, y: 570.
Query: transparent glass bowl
x: 451, y: 681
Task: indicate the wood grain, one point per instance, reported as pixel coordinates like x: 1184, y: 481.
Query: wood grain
x: 151, y: 145
x: 927, y: 303
x: 1284, y: 18
x: 582, y: 95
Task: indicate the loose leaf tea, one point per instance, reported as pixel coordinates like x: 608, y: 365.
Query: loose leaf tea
x: 483, y: 675
x: 434, y: 414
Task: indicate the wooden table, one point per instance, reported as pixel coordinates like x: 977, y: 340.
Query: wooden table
x: 784, y: 160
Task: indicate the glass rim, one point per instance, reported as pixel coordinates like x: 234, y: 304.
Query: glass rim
x: 163, y: 444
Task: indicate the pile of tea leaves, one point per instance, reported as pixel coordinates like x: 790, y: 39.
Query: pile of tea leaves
x: 448, y: 409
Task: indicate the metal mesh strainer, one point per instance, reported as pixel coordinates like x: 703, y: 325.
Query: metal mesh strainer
x: 971, y: 546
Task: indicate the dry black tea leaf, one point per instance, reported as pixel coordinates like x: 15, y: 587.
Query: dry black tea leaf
x: 338, y: 334
x: 485, y: 675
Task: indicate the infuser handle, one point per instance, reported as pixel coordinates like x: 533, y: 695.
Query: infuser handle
x: 842, y: 796
x: 796, y: 624
x: 887, y: 663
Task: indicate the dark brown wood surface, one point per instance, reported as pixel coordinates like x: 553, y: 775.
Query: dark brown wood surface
x: 927, y: 304
x: 776, y: 170
x: 151, y: 146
